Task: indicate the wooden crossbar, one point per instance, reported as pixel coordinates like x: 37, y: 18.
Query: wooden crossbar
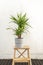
x: 21, y: 54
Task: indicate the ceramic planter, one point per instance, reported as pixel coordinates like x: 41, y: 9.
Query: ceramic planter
x: 18, y: 42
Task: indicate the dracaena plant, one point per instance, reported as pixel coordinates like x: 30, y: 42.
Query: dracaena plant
x: 22, y: 22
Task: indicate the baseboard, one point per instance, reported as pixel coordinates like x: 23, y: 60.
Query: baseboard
x: 37, y: 55
x: 33, y: 56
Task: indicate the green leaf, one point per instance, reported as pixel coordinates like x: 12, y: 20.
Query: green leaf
x: 22, y: 22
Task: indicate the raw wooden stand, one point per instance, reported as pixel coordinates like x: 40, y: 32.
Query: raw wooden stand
x: 21, y: 53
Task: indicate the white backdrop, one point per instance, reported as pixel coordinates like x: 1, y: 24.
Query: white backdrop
x: 34, y: 39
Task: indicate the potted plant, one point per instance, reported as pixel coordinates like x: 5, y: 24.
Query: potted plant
x: 21, y: 21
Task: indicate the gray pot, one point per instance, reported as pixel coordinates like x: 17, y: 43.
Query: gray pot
x: 18, y: 42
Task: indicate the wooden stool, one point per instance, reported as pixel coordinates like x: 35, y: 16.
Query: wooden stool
x: 21, y: 55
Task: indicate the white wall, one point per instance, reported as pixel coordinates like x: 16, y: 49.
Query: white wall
x: 34, y: 10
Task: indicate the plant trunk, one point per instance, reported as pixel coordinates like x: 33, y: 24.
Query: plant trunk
x: 19, y: 36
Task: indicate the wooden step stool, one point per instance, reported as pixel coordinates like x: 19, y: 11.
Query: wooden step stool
x: 21, y: 55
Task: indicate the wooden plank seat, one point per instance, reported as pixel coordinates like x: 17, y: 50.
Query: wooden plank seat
x: 21, y: 59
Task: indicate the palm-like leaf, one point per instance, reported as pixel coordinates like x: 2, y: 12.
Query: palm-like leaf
x: 21, y: 21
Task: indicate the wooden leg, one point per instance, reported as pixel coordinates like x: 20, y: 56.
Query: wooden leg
x: 30, y: 62
x: 13, y: 62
